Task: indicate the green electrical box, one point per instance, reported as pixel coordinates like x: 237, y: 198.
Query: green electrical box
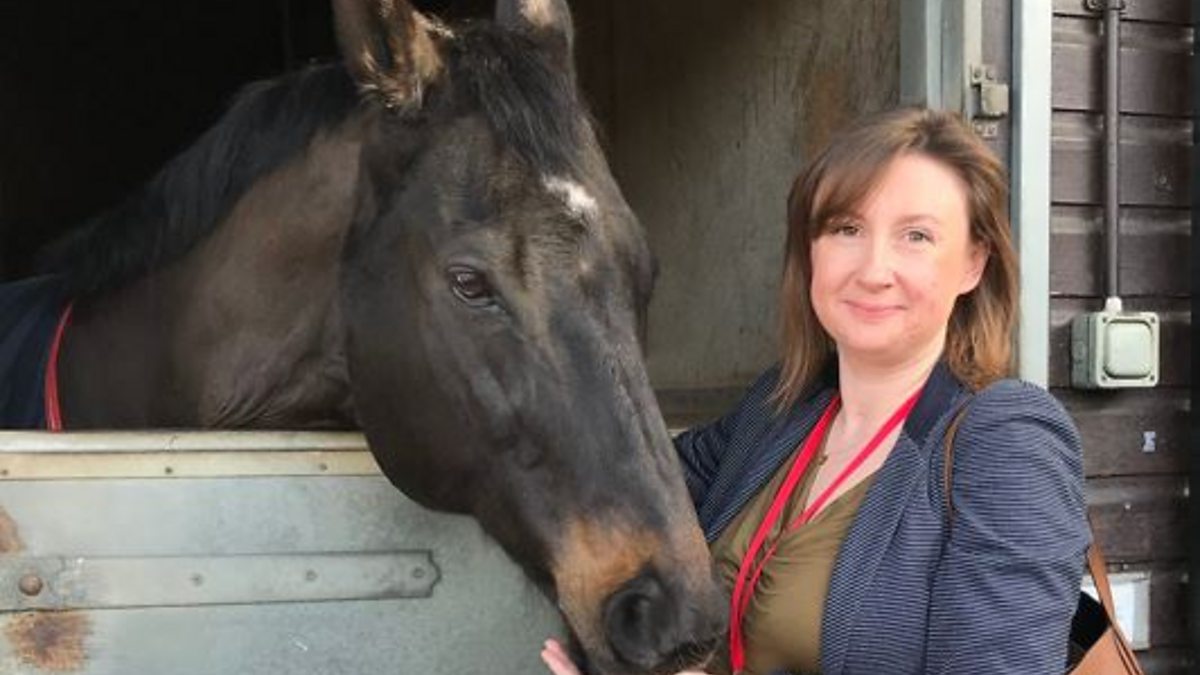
x: 1114, y: 349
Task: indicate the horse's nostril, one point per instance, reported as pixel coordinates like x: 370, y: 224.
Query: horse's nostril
x: 641, y: 623
x: 653, y: 627
x: 635, y: 611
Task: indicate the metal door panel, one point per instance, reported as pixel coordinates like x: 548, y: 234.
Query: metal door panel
x: 249, y: 557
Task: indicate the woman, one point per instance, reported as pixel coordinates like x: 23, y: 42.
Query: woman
x: 822, y: 493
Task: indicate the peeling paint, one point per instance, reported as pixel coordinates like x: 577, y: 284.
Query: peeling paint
x: 50, y: 641
x: 10, y: 539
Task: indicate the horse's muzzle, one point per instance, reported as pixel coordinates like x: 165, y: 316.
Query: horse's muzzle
x: 652, y: 628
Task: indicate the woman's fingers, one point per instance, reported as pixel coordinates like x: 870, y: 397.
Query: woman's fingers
x: 557, y: 660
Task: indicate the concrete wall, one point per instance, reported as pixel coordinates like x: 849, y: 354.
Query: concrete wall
x: 710, y: 108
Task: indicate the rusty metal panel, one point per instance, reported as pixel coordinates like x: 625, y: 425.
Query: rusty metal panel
x: 1147, y: 52
x: 1166, y: 11
x: 331, y: 638
x: 1155, y: 257
x: 269, y: 572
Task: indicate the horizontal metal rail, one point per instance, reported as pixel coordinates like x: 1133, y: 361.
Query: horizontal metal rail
x: 86, y: 455
x: 179, y: 441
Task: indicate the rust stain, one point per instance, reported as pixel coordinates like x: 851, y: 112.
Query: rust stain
x: 10, y: 539
x: 50, y: 641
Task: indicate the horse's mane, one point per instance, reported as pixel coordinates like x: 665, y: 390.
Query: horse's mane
x: 268, y: 123
x: 528, y: 101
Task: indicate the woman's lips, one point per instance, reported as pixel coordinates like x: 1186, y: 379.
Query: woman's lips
x: 872, y: 310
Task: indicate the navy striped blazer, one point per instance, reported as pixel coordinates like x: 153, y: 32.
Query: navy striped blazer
x: 991, y: 591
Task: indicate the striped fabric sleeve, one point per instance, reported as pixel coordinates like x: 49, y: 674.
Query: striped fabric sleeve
x: 701, y: 449
x: 1008, y: 581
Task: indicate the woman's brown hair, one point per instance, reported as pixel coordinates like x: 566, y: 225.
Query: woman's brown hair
x: 978, y: 346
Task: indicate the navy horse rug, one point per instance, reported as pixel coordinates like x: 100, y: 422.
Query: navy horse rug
x: 31, y: 314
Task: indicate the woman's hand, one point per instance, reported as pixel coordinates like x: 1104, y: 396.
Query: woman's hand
x: 557, y: 659
x: 560, y: 663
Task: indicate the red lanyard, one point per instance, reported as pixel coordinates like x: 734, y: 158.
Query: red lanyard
x: 748, y: 572
x: 51, y: 405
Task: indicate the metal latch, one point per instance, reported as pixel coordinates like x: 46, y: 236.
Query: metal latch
x: 991, y: 100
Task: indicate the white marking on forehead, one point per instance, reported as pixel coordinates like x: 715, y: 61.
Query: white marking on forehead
x: 578, y: 200
x: 538, y: 12
x: 433, y: 25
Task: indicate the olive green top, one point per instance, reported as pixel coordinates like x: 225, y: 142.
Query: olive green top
x: 782, y: 628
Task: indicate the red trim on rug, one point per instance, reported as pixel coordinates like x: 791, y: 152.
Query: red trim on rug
x: 53, y: 408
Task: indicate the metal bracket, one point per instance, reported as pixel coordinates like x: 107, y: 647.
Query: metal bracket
x: 1104, y: 5
x: 62, y: 583
x: 991, y: 99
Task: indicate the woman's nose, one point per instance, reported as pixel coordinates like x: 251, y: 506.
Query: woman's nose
x: 877, y: 264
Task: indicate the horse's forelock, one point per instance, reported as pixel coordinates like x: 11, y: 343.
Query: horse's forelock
x: 529, y: 100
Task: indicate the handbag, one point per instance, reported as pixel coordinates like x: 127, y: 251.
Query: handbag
x: 1097, y: 646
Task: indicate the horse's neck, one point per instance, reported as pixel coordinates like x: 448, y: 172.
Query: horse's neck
x: 243, y: 331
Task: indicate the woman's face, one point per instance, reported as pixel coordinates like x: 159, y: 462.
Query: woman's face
x: 884, y: 279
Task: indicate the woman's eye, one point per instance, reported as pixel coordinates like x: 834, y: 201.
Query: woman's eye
x: 845, y: 229
x: 917, y: 236
x: 471, y: 286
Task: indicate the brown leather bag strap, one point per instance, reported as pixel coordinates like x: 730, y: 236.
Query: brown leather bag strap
x: 948, y: 453
x: 1099, y: 571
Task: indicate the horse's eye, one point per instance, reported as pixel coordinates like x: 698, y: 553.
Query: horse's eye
x: 471, y: 286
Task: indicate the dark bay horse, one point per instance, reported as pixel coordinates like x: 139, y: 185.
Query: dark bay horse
x: 424, y: 242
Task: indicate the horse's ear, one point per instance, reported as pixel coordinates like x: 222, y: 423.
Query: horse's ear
x: 545, y: 21
x: 388, y: 48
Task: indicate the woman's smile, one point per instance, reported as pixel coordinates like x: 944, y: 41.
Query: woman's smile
x: 872, y: 310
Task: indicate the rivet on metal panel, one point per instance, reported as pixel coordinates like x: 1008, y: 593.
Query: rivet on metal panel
x: 322, y: 467
x: 168, y: 470
x: 310, y: 575
x: 418, y: 573
x: 1128, y: 506
x: 30, y: 584
x: 197, y: 579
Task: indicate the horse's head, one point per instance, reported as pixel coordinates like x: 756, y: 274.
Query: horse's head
x: 494, y: 284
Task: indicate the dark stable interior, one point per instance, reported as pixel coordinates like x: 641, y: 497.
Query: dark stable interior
x: 95, y: 97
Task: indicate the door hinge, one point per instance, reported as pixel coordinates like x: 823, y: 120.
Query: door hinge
x: 990, y: 100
